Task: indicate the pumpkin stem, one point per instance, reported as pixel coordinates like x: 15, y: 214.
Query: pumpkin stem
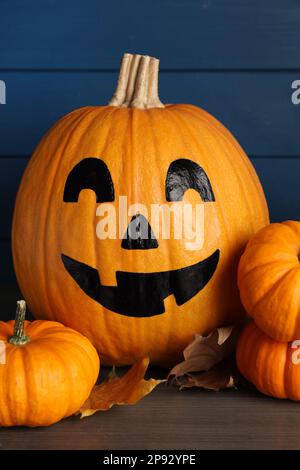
x: 19, y: 338
x: 138, y: 83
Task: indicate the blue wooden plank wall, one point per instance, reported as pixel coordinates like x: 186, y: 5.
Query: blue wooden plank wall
x: 235, y: 58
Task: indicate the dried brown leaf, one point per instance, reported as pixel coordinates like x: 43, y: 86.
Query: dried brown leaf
x: 125, y: 390
x: 221, y: 376
x: 208, y: 361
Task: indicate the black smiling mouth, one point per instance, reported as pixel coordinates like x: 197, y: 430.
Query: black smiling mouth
x: 143, y: 294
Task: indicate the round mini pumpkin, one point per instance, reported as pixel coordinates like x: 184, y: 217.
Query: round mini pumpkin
x: 269, y: 280
x: 272, y: 366
x: 47, y: 371
x: 139, y: 295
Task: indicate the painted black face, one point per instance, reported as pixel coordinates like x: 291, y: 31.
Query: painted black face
x: 140, y: 294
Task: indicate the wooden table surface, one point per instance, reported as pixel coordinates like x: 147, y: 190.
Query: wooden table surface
x: 168, y: 419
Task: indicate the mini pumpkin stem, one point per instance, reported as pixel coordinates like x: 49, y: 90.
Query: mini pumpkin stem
x: 138, y: 83
x: 19, y: 338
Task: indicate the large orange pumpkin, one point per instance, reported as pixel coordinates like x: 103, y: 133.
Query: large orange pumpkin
x: 272, y: 366
x: 47, y: 371
x: 269, y: 280
x: 141, y: 294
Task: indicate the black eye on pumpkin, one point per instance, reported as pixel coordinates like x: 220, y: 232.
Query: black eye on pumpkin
x: 90, y: 173
x: 184, y: 174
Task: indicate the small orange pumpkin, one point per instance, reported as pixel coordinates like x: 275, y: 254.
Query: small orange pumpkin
x: 269, y: 280
x: 272, y: 366
x: 47, y: 371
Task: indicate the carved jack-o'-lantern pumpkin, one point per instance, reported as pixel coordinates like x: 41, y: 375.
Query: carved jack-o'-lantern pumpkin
x: 140, y: 292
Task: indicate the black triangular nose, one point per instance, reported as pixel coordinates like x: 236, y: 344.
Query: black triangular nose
x: 139, y: 235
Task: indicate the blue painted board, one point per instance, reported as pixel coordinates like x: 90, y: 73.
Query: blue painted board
x: 256, y: 107
x: 280, y: 180
x: 6, y: 271
x: 235, y: 58
x: 11, y: 171
x: 183, y: 33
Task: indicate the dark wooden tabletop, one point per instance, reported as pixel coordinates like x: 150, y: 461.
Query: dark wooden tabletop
x: 168, y: 419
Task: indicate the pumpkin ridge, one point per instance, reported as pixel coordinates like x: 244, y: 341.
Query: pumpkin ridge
x: 22, y: 392
x: 293, y: 227
x: 221, y: 130
x: 41, y: 273
x: 283, y: 254
x: 124, y: 175
x: 58, y: 362
x: 28, y: 169
x: 216, y: 126
x: 151, y: 117
x: 182, y: 123
x: 278, y: 233
x: 275, y: 374
x: 49, y: 201
x: 39, y: 327
x: 256, y: 305
x: 286, y: 372
x: 80, y: 348
x: 169, y: 256
x: 59, y: 338
x: 25, y: 359
x: 220, y: 209
x: 62, y: 361
x: 6, y: 411
x: 292, y: 320
x: 213, y: 123
x: 226, y: 137
x: 273, y: 368
x: 31, y: 381
x: 108, y: 117
x: 242, y: 278
x: 253, y: 353
x: 60, y: 123
x: 136, y: 116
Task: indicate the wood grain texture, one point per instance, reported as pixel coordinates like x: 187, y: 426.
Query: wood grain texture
x: 256, y: 107
x: 167, y: 419
x: 170, y: 419
x: 183, y: 33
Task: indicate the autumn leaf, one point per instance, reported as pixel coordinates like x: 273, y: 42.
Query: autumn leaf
x: 209, y: 361
x: 125, y: 390
x: 221, y: 376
